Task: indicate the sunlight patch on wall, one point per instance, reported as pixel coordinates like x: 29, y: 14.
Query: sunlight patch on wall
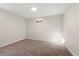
x: 57, y: 38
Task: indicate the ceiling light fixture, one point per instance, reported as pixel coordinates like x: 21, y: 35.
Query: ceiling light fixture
x: 33, y: 9
x: 39, y: 20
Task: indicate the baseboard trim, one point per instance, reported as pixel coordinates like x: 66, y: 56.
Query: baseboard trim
x: 8, y: 43
x: 71, y: 51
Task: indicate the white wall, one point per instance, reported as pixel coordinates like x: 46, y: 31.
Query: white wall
x: 71, y: 28
x: 12, y: 28
x: 49, y: 29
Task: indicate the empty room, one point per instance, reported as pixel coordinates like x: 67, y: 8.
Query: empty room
x: 39, y: 29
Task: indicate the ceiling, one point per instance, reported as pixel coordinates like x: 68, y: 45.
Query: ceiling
x: 44, y: 9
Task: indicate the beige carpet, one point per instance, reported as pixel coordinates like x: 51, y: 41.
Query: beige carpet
x: 34, y: 48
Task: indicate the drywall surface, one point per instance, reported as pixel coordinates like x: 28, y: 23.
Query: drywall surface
x: 12, y: 28
x: 71, y: 29
x: 49, y: 29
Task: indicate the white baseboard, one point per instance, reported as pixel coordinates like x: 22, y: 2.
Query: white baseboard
x: 71, y: 51
x: 8, y: 43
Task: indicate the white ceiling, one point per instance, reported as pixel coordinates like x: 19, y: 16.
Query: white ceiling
x: 44, y: 9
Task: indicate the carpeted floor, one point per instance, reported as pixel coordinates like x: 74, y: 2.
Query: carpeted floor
x: 34, y: 48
